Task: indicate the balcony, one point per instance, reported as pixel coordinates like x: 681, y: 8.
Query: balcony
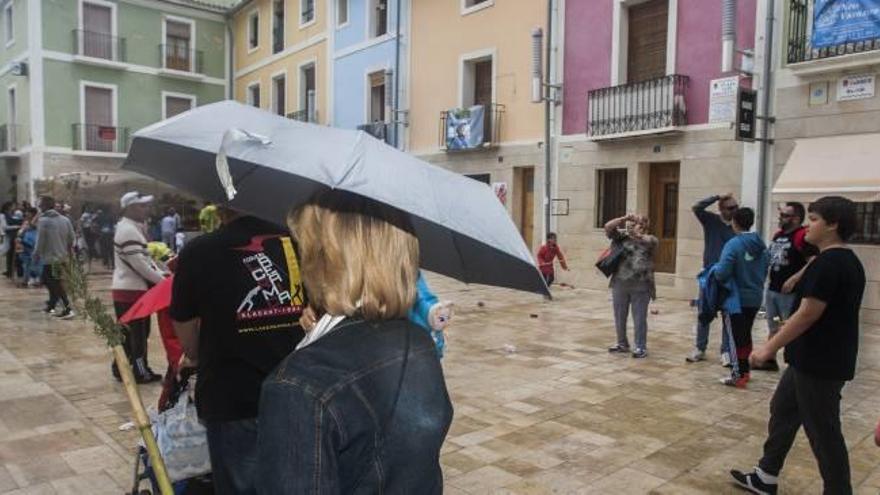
x: 12, y: 138
x: 628, y: 110
x: 99, y: 49
x: 100, y: 138
x: 457, y: 126
x: 379, y: 130
x: 804, y: 59
x: 304, y: 116
x: 180, y: 60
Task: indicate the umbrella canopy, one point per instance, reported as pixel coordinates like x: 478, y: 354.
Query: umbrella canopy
x: 464, y: 231
x: 154, y: 300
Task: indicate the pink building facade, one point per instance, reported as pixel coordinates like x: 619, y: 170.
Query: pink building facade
x: 646, y: 126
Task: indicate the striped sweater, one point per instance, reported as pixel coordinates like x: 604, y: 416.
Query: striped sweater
x: 134, y: 269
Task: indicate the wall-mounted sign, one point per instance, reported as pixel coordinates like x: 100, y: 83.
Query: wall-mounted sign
x: 559, y: 207
x: 819, y: 93
x: 722, y: 99
x: 855, y: 87
x: 746, y: 104
x: 500, y: 189
x: 837, y: 22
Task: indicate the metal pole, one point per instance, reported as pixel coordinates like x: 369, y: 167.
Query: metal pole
x: 395, y: 112
x: 548, y: 107
x: 765, y: 128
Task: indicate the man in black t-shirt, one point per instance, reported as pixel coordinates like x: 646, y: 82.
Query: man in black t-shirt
x: 821, y: 343
x: 236, y: 303
x: 789, y: 254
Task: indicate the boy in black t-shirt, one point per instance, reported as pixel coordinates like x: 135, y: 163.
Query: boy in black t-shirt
x: 821, y: 343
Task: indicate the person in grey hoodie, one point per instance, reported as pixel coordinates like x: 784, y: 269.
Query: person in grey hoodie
x: 745, y: 260
x: 53, y: 248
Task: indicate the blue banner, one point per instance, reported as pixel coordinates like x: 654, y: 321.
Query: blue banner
x: 464, y: 128
x: 836, y: 22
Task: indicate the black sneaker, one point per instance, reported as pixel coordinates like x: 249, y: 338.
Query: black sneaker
x: 147, y: 378
x: 115, y: 371
x: 767, y: 366
x: 640, y: 353
x: 65, y: 314
x: 752, y: 483
x: 618, y: 348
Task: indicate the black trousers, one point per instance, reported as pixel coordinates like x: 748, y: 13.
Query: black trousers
x: 814, y: 403
x: 52, y: 281
x: 741, y: 328
x: 136, y: 336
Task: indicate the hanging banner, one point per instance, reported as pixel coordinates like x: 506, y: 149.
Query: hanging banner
x: 464, y: 128
x: 837, y: 22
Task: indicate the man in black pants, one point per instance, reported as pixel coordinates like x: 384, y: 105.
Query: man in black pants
x: 54, y: 246
x: 821, y: 344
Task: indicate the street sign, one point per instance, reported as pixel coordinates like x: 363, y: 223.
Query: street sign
x: 855, y: 87
x: 722, y: 99
x: 746, y: 102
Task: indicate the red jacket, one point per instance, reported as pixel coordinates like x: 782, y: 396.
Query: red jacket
x: 546, y: 255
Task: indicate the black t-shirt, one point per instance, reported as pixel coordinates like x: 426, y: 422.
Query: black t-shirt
x: 236, y: 281
x: 789, y: 252
x: 829, y: 347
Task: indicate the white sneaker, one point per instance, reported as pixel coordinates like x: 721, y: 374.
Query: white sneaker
x: 725, y: 360
x: 696, y: 356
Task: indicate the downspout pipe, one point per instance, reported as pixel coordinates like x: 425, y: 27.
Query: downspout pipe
x: 548, y: 108
x: 395, y: 112
x: 766, y: 87
x: 728, y: 35
x: 230, y: 72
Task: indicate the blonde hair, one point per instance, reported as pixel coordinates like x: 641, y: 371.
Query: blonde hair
x: 356, y: 255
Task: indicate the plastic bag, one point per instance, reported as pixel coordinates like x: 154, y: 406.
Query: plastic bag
x: 183, y: 440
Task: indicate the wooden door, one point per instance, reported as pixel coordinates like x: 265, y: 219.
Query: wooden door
x: 483, y: 96
x: 646, y: 47
x: 525, y: 193
x: 97, y: 40
x: 663, y: 199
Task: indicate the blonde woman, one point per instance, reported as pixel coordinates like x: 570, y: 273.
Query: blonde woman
x: 361, y: 405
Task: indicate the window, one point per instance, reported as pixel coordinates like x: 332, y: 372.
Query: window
x: 306, y: 11
x: 8, y: 24
x: 484, y: 178
x: 376, y: 110
x: 868, y: 224
x: 307, y: 98
x: 341, y: 12
x: 253, y: 95
x: 378, y: 17
x: 11, y: 128
x: 279, y: 94
x: 478, y: 89
x: 473, y: 3
x: 277, y: 26
x: 646, y: 40
x: 610, y: 195
x: 178, y: 45
x: 253, y: 30
x: 99, y: 127
x: 97, y: 31
x: 177, y: 104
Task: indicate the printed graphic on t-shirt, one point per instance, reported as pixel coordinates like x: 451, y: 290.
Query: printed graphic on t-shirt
x: 272, y: 295
x: 779, y: 253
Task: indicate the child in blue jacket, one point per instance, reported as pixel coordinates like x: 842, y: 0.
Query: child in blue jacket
x: 744, y: 260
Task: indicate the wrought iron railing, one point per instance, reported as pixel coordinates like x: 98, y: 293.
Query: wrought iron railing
x: 99, y: 45
x: 642, y: 106
x: 800, y: 30
x: 379, y: 130
x: 493, y: 115
x: 96, y: 137
x: 307, y: 16
x: 12, y: 137
x: 304, y: 116
x: 182, y: 57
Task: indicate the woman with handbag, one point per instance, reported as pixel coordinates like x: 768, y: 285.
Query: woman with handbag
x: 632, y: 281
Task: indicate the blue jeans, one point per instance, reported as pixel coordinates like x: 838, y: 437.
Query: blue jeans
x: 233, y: 449
x: 778, y: 305
x: 703, y: 335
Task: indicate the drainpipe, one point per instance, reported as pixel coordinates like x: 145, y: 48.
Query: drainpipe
x: 230, y: 60
x: 548, y: 108
x: 728, y: 35
x: 766, y: 142
x: 395, y: 112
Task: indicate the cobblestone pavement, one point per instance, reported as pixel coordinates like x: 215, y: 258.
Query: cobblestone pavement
x: 540, y: 406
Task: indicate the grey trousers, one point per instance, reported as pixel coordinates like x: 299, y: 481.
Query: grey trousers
x: 636, y: 296
x: 778, y: 305
x: 814, y: 403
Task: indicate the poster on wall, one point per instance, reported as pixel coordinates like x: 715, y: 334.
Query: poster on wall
x: 837, y: 22
x: 722, y: 99
x: 464, y: 128
x: 500, y: 190
x: 855, y: 87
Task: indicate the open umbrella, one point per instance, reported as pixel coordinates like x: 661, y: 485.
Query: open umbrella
x: 270, y: 164
x: 152, y: 301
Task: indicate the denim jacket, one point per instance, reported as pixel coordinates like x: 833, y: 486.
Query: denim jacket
x: 323, y: 411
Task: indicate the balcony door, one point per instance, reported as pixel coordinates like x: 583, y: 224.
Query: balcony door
x: 97, y: 31
x: 377, y: 97
x: 307, y: 92
x: 178, y: 45
x: 524, y: 194
x: 99, y: 127
x: 646, y: 40
x: 663, y: 200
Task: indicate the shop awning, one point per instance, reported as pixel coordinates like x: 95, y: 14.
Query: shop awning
x: 847, y: 166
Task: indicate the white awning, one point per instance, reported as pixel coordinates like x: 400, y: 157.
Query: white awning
x: 846, y: 166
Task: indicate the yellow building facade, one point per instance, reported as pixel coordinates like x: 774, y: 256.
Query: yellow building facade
x: 471, y: 52
x: 280, y: 57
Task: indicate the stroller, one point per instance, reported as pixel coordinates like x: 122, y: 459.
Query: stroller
x: 174, y: 388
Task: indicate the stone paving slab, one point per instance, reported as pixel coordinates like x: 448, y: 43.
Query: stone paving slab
x: 540, y: 406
